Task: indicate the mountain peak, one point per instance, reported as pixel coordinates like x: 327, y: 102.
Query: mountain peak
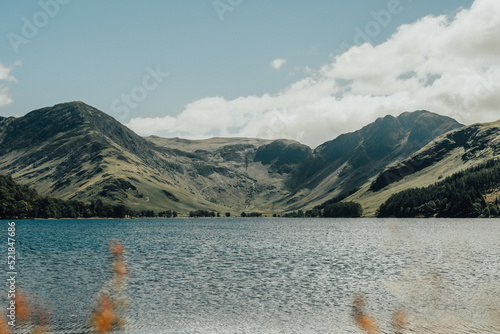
x: 72, y: 103
x: 67, y: 110
x: 416, y: 112
x: 77, y: 106
x: 386, y: 139
x: 68, y: 120
x: 414, y: 115
x: 72, y: 118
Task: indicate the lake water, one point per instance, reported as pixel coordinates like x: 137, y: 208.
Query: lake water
x: 267, y: 275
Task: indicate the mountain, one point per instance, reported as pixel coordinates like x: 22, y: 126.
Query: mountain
x: 471, y: 193
x: 19, y: 201
x: 351, y: 159
x: 447, y: 154
x: 74, y: 151
x: 237, y: 178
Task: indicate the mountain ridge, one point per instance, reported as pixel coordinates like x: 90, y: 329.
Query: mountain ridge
x: 448, y: 154
x: 222, y: 174
x: 351, y: 159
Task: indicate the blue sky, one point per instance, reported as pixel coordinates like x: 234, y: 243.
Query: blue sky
x: 216, y: 58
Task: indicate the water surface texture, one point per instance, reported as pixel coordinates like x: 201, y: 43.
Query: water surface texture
x: 268, y: 275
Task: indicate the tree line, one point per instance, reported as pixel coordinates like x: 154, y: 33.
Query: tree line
x: 333, y: 208
x: 19, y: 201
x: 461, y: 195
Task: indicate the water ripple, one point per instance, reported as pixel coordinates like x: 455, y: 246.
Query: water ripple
x: 269, y: 276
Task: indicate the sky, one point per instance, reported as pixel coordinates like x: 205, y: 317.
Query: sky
x: 304, y: 70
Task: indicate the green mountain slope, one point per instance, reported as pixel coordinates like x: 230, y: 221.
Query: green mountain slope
x: 236, y: 177
x: 18, y: 201
x: 73, y: 151
x: 470, y: 193
x: 448, y: 154
x: 351, y: 159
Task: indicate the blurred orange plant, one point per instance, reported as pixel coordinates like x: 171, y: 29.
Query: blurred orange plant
x: 28, y: 315
x: 4, y: 327
x: 107, y: 316
x: 369, y: 324
x: 104, y: 317
x: 365, y: 322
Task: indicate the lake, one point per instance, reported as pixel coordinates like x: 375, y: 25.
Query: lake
x: 266, y: 275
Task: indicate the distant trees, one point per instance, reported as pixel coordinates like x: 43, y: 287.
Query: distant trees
x: 295, y: 214
x: 251, y: 214
x: 343, y: 210
x: 22, y: 202
x: 202, y: 213
x: 205, y: 213
x: 333, y: 208
x: 168, y: 214
x: 18, y: 201
x: 461, y: 195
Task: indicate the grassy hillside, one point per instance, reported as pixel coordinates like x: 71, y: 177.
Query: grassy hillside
x: 470, y: 193
x: 352, y: 159
x: 19, y: 201
x: 448, y: 154
x: 73, y: 151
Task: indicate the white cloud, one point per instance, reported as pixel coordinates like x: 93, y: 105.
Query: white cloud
x: 278, y: 63
x: 444, y: 64
x: 5, y: 76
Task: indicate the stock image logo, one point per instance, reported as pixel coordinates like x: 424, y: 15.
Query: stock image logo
x: 127, y: 101
x: 31, y: 26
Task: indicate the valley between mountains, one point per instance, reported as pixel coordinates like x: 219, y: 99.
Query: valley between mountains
x: 73, y: 151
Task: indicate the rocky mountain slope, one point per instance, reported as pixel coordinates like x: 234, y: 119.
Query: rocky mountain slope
x: 449, y: 153
x: 74, y: 151
x: 352, y: 159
